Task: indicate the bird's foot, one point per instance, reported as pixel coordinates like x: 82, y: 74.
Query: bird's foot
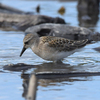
x: 58, y: 61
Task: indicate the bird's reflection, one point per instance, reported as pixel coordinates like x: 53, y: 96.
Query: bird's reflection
x: 48, y: 74
x: 53, y: 67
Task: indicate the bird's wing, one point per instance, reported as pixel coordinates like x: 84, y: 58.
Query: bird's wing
x: 47, y: 39
x: 62, y: 44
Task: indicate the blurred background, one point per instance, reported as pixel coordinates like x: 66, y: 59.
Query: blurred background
x: 14, y: 84
x: 74, y: 12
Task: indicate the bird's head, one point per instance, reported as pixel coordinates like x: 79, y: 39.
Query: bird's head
x: 28, y: 41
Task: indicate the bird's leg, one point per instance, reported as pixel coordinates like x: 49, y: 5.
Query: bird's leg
x: 58, y: 61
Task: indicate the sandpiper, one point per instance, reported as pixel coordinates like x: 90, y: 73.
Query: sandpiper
x: 51, y: 48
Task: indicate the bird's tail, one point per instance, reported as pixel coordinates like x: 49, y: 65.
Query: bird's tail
x: 81, y: 43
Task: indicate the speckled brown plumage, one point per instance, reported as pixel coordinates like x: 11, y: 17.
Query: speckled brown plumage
x: 62, y: 44
x: 45, y: 39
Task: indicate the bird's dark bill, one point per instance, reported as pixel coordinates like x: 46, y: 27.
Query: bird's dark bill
x: 23, y: 50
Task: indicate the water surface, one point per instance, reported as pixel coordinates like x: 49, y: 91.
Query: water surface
x: 14, y: 87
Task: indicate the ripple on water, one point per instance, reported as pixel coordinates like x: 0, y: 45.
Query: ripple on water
x: 70, y: 88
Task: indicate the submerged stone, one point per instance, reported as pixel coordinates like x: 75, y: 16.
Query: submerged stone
x: 61, y: 30
x: 18, y: 67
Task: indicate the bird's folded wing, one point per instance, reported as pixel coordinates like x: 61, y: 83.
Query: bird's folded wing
x: 62, y: 44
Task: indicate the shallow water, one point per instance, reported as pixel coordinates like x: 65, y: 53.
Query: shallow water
x: 14, y: 87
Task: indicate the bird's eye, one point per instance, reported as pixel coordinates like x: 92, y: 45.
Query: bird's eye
x: 26, y: 43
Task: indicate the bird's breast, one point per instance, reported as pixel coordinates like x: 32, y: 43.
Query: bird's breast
x: 52, y: 54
